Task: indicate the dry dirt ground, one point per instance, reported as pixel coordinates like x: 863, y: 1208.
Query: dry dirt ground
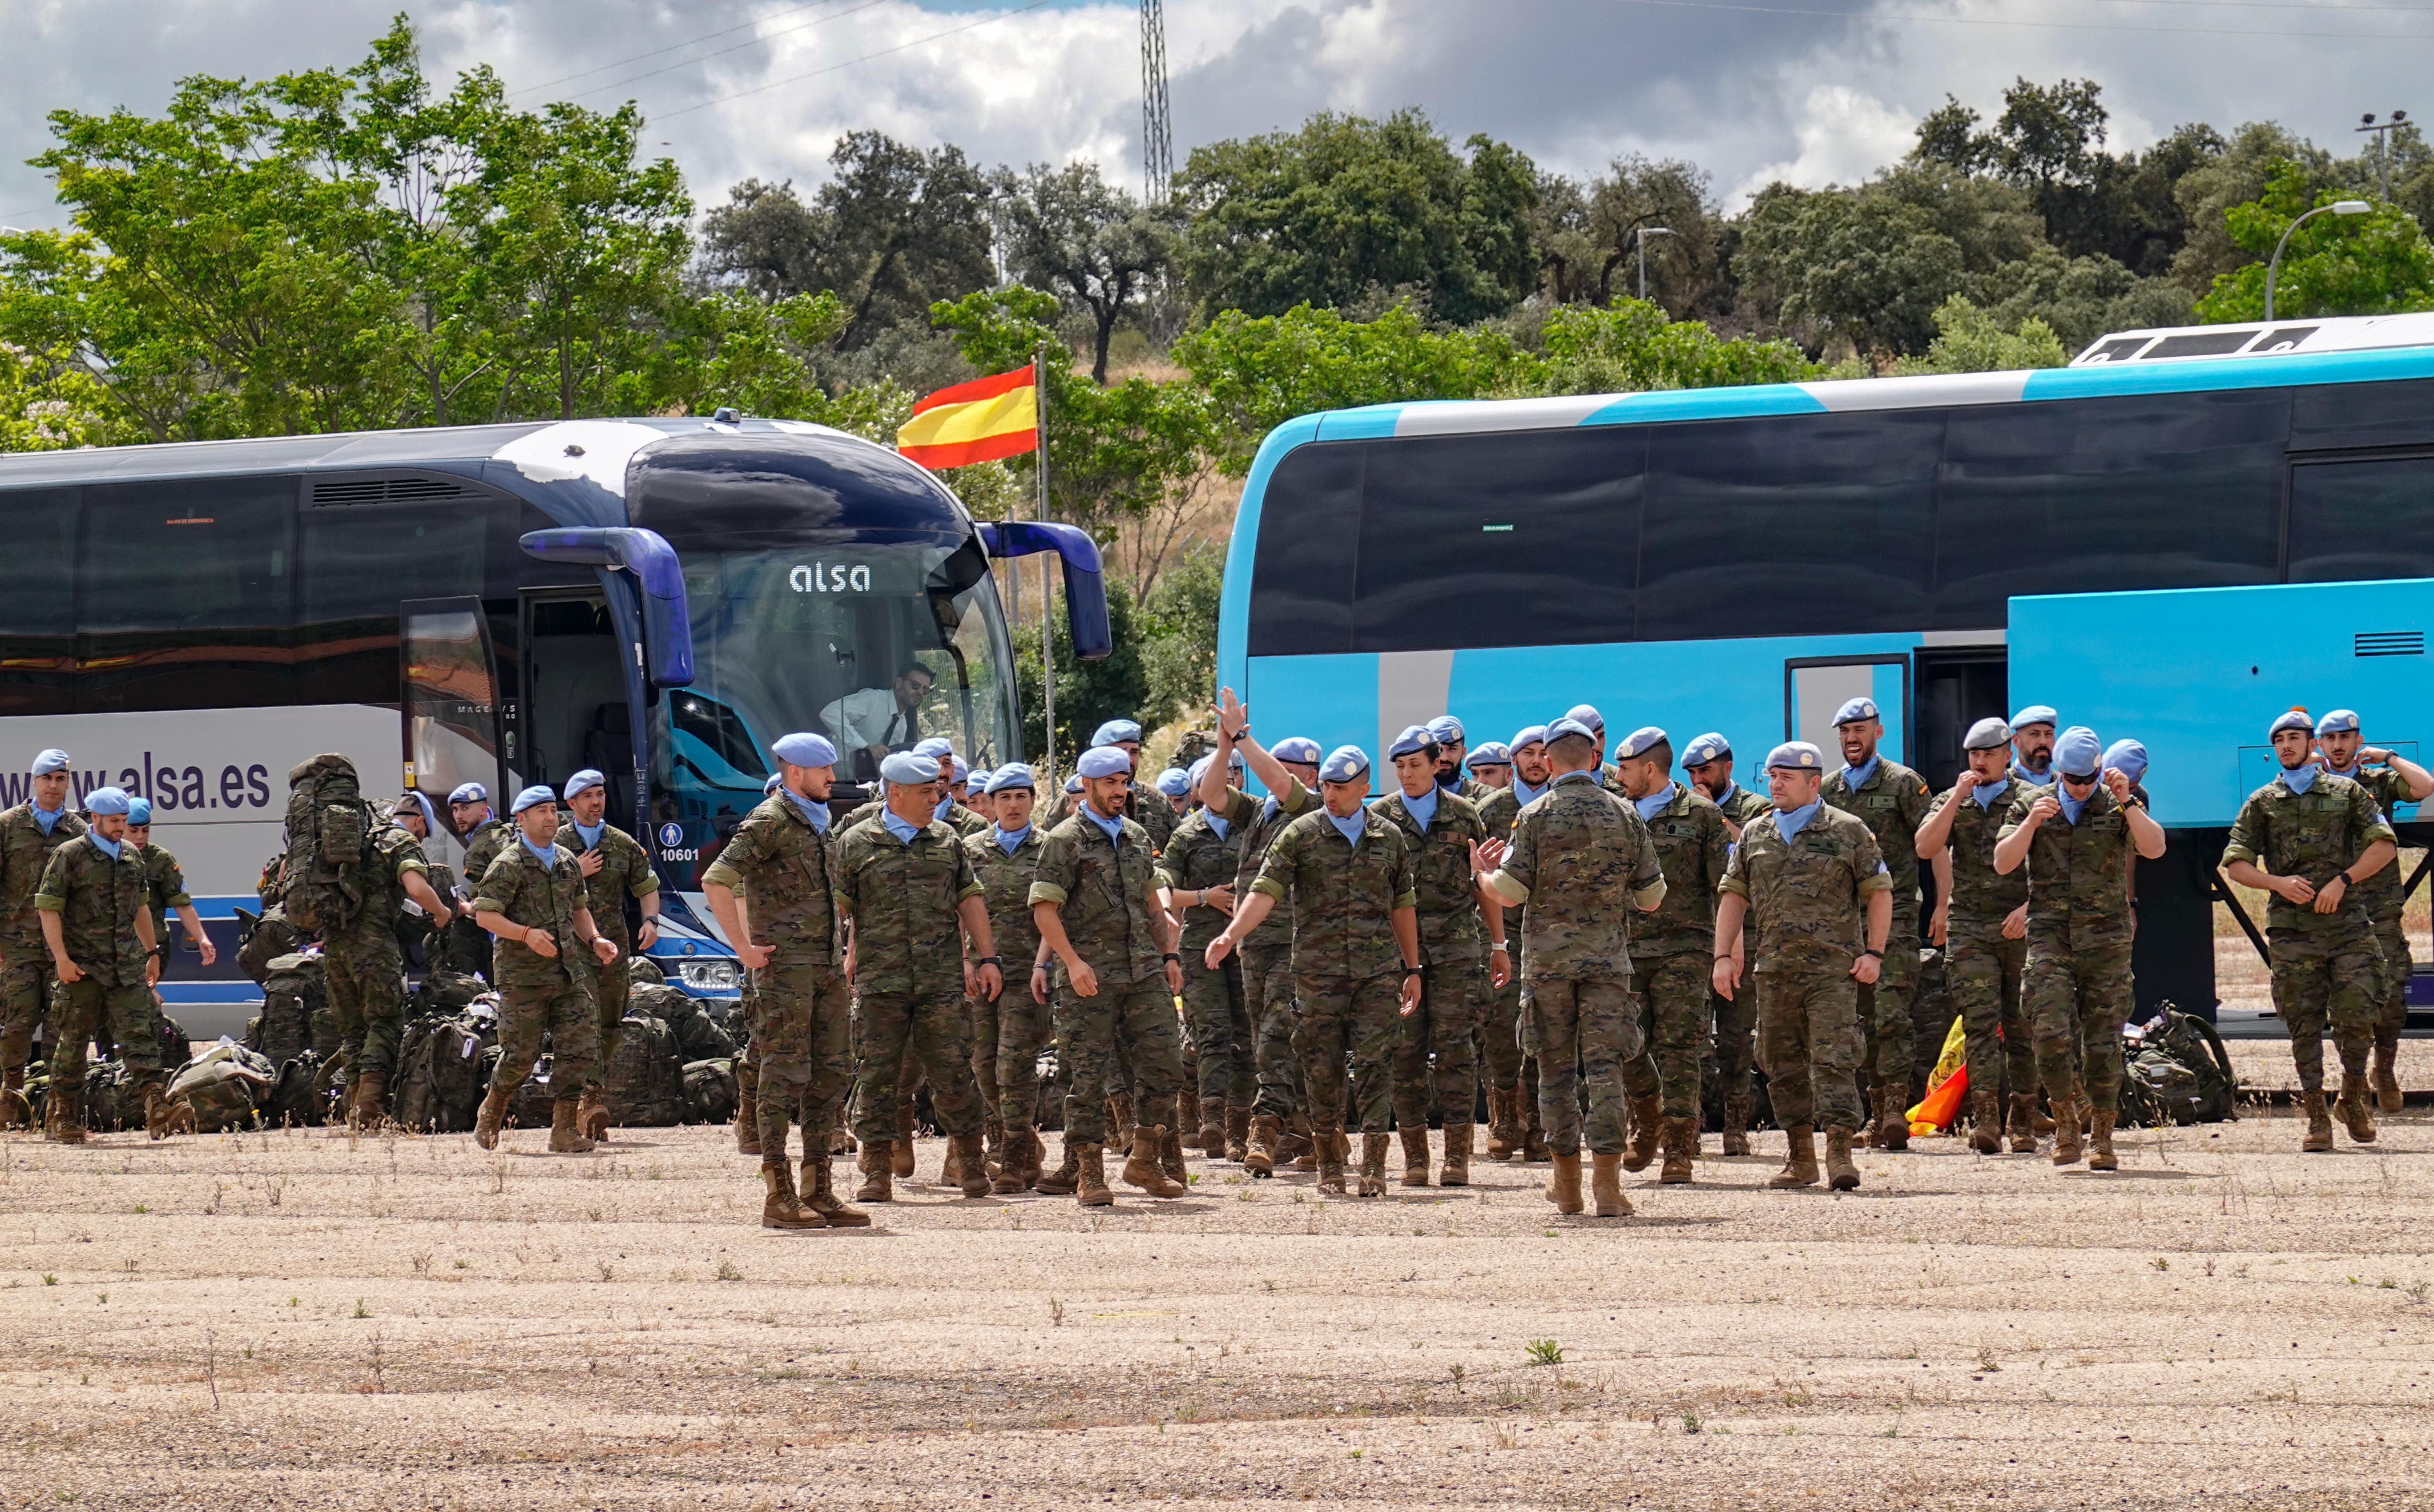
x: 290, y: 1321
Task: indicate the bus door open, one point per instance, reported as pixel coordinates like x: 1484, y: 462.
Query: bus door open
x: 1957, y: 686
x: 575, y: 708
x: 448, y: 701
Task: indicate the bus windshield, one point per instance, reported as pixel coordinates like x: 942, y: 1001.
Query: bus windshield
x: 876, y: 646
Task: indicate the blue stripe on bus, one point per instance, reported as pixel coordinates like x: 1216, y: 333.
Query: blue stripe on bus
x: 1707, y: 404
x: 1367, y: 423
x: 233, y: 991
x: 2386, y: 366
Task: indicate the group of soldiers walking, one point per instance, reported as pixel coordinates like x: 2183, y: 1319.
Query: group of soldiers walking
x: 1340, y: 964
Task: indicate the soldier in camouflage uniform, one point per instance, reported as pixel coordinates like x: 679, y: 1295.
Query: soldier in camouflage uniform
x: 364, y: 967
x: 533, y: 901
x: 484, y: 837
x: 773, y: 891
x: 2076, y: 839
x: 1707, y: 761
x: 2311, y: 839
x: 1011, y: 1029
x: 2032, y: 745
x: 30, y: 832
x: 1981, y: 920
x: 1453, y: 751
x: 2391, y: 781
x: 1166, y: 806
x: 1435, y: 1065
x: 1806, y: 875
x: 1673, y: 950
x: 91, y: 907
x: 1095, y: 902
x: 616, y: 868
x: 164, y: 888
x: 1288, y: 773
x: 1892, y: 800
x: 1515, y: 1130
x: 1348, y: 873
x: 1582, y: 863
x: 907, y: 896
x: 1195, y: 875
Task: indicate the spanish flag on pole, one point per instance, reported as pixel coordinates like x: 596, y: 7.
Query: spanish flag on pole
x: 979, y: 421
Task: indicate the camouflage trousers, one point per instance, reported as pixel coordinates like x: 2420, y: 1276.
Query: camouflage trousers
x: 1217, y: 1012
x: 79, y: 1009
x: 1007, y: 1037
x: 1733, y: 1053
x: 1583, y: 1032
x: 1673, y: 991
x: 1359, y: 1015
x: 566, y: 1015
x: 1499, y: 1033
x: 2391, y: 1008
x: 1983, y: 973
x: 1434, y: 1067
x: 366, y: 983
x: 1268, y: 1005
x: 800, y: 1039
x: 610, y: 987
x: 900, y: 1033
x: 1137, y: 1017
x: 2323, y: 979
x: 1887, y: 1036
x: 1808, y: 1042
x: 26, y: 984
x: 2076, y: 999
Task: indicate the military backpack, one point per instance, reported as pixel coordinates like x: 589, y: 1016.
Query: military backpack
x: 323, y: 872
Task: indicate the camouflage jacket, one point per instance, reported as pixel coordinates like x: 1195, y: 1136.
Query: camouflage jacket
x: 1740, y: 806
x: 789, y: 870
x: 1688, y: 834
x: 900, y: 899
x: 2380, y: 894
x: 483, y: 847
x: 1893, y: 803
x: 164, y: 888
x: 965, y: 823
x: 1581, y: 862
x: 624, y: 872
x: 1344, y: 895
x: 2079, y: 875
x: 1196, y: 858
x: 1498, y: 810
x: 1158, y: 816
x: 2312, y: 835
x: 1005, y: 886
x: 1982, y: 899
x: 97, y: 899
x: 1807, y: 895
x: 25, y: 853
x: 1107, y: 896
x: 1451, y: 927
x: 1259, y: 824
x: 538, y: 897
x: 1469, y: 790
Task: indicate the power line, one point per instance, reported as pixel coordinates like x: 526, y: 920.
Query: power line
x: 2043, y: 26
x: 1157, y: 131
x: 600, y: 89
x: 884, y: 52
x: 753, y: 25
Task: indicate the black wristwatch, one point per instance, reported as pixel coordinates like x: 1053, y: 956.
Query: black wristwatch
x: 1878, y: 953
x: 1415, y: 971
x: 999, y: 961
x: 1172, y: 956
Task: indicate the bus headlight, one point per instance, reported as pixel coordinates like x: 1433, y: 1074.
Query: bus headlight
x: 711, y: 976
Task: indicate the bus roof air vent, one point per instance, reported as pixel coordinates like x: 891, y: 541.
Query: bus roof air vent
x: 390, y: 488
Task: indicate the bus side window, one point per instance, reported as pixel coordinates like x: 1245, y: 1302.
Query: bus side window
x: 37, y: 613
x: 187, y: 595
x: 1310, y: 526
x: 2352, y: 521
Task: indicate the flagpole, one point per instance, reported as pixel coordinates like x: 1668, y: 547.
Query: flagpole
x: 1047, y: 619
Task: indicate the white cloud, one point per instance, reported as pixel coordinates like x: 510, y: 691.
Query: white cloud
x: 1844, y: 136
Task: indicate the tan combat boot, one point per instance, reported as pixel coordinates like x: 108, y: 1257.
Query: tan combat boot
x: 1090, y: 1176
x: 1305, y: 1154
x: 591, y: 1114
x: 841, y: 1141
x: 2041, y: 1123
x: 2100, y: 1141
x: 1840, y: 1173
x: 2357, y: 1110
x: 1373, y: 1165
x: 971, y: 1167
x: 1564, y: 1182
x: 493, y: 1118
x: 564, y: 1138
x: 1893, y: 1130
x: 1120, y: 1120
x: 1681, y: 1146
x: 1986, y: 1121
x: 2067, y: 1149
x: 2388, y: 1097
x: 1534, y: 1150
x: 878, y: 1163
x: 63, y: 1117
x: 2024, y: 1122
x: 1800, y: 1167
x: 1267, y: 1132
x: 1503, y: 1139
x: 1212, y: 1128
x: 819, y: 1198
x: 1327, y: 1148
x: 1062, y: 1180
x: 993, y: 1137
x: 747, y: 1122
x: 1170, y: 1146
x: 163, y: 1116
x: 1142, y: 1167
x: 780, y: 1208
x: 1456, y: 1171
x: 1647, y: 1126
x: 1866, y: 1137
x: 1238, y: 1134
x: 1605, y: 1186
x: 1415, y: 1155
x: 2320, y: 1123
x: 365, y: 1100
x: 1014, y: 1166
x: 1736, y: 1121
x: 15, y: 1112
x: 901, y: 1155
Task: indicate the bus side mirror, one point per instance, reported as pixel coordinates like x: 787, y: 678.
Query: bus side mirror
x: 1086, y: 584
x: 667, y: 623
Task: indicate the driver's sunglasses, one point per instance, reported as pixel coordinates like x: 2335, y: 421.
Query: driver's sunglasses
x: 2088, y: 781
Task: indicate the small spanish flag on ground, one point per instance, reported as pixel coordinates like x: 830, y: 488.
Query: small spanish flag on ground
x: 979, y: 421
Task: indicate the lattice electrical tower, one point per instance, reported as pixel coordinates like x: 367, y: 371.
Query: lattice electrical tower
x: 1157, y: 131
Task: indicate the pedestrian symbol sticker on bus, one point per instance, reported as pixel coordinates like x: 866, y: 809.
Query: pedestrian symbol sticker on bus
x: 672, y: 834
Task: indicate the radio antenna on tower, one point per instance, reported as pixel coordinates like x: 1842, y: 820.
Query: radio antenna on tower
x: 1157, y: 131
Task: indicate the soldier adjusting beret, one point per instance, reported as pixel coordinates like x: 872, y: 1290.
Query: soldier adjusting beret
x: 2339, y: 722
x: 1640, y: 742
x: 1797, y: 755
x: 1104, y: 761
x: 1855, y: 711
x: 1013, y: 775
x: 533, y: 797
x: 1489, y: 754
x: 905, y: 770
x: 1344, y: 763
x: 139, y: 810
x: 2127, y: 757
x: 1117, y: 730
x: 2077, y: 752
x: 1528, y: 735
x: 1298, y: 749
x: 1414, y: 739
x: 2035, y: 714
x: 1448, y: 730
x: 804, y: 749
x: 106, y: 801
x: 469, y: 793
x: 1174, y: 782
x: 2295, y: 720
x: 49, y: 761
x: 1704, y: 748
x: 584, y: 781
x: 1987, y: 735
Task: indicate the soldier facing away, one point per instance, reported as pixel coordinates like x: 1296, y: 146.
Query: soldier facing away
x: 2392, y: 780
x: 95, y: 922
x: 1513, y: 1129
x: 29, y: 833
x: 614, y: 868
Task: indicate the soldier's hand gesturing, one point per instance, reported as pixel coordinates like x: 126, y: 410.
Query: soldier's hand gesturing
x: 1486, y: 856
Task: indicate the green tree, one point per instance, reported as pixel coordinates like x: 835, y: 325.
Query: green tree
x: 1088, y: 693
x: 1180, y: 660
x: 1589, y: 240
x: 49, y: 401
x: 1344, y: 207
x: 1631, y: 345
x: 2370, y: 264
x: 1071, y: 231
x: 1970, y: 340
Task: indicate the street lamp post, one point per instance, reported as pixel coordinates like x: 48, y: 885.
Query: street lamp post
x: 2339, y: 207
x: 2383, y: 148
x: 1641, y: 235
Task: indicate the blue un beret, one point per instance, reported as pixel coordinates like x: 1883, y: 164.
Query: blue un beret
x: 1855, y: 710
x: 1987, y: 735
x: 1706, y: 748
x: 1528, y: 735
x: 584, y: 781
x: 49, y: 761
x: 469, y: 793
x: 1639, y: 741
x: 1797, y: 755
x: 976, y: 779
x: 1414, y: 739
x: 1298, y: 749
x: 2339, y: 722
x: 1102, y: 761
x: 805, y: 749
x: 770, y: 788
x: 139, y: 810
x: 959, y: 772
x: 1174, y: 782
x: 106, y: 801
x: 1074, y: 783
x: 905, y: 770
x: 1586, y: 714
x: 934, y: 747
x: 1344, y: 763
x: 1115, y: 730
x: 2035, y: 714
x: 1569, y: 725
x: 2127, y: 757
x: 2296, y: 719
x: 1448, y: 730
x: 1013, y: 775
x: 2078, y: 752
x: 1489, y: 754
x: 533, y: 797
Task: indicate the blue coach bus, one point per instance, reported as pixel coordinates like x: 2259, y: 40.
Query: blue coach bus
x: 2176, y: 537
x: 658, y: 599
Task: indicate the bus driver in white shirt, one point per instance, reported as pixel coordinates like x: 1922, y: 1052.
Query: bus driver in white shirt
x: 873, y: 721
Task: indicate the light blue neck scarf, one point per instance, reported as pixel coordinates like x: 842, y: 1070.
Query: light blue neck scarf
x: 107, y: 847
x: 2299, y: 779
x: 546, y: 858
x: 1352, y: 828
x: 1789, y: 822
x: 903, y: 828
x: 1010, y: 840
x: 1858, y: 777
x: 1423, y: 809
x: 1655, y: 803
x: 591, y: 833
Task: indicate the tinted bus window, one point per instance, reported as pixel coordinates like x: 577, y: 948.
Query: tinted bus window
x: 1499, y: 540
x: 2362, y: 414
x: 2171, y: 490
x: 185, y: 595
x: 1310, y: 527
x: 37, y: 613
x: 1804, y: 525
x: 357, y: 564
x: 2362, y: 519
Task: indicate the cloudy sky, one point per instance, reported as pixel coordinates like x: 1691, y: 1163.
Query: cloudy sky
x: 1811, y: 91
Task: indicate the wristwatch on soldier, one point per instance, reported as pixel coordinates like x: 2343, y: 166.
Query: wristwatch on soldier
x: 999, y: 961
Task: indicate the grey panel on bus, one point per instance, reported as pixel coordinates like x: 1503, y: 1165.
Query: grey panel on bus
x: 1462, y: 416
x: 1920, y: 393
x: 470, y: 444
x: 1819, y: 692
x: 1412, y: 688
